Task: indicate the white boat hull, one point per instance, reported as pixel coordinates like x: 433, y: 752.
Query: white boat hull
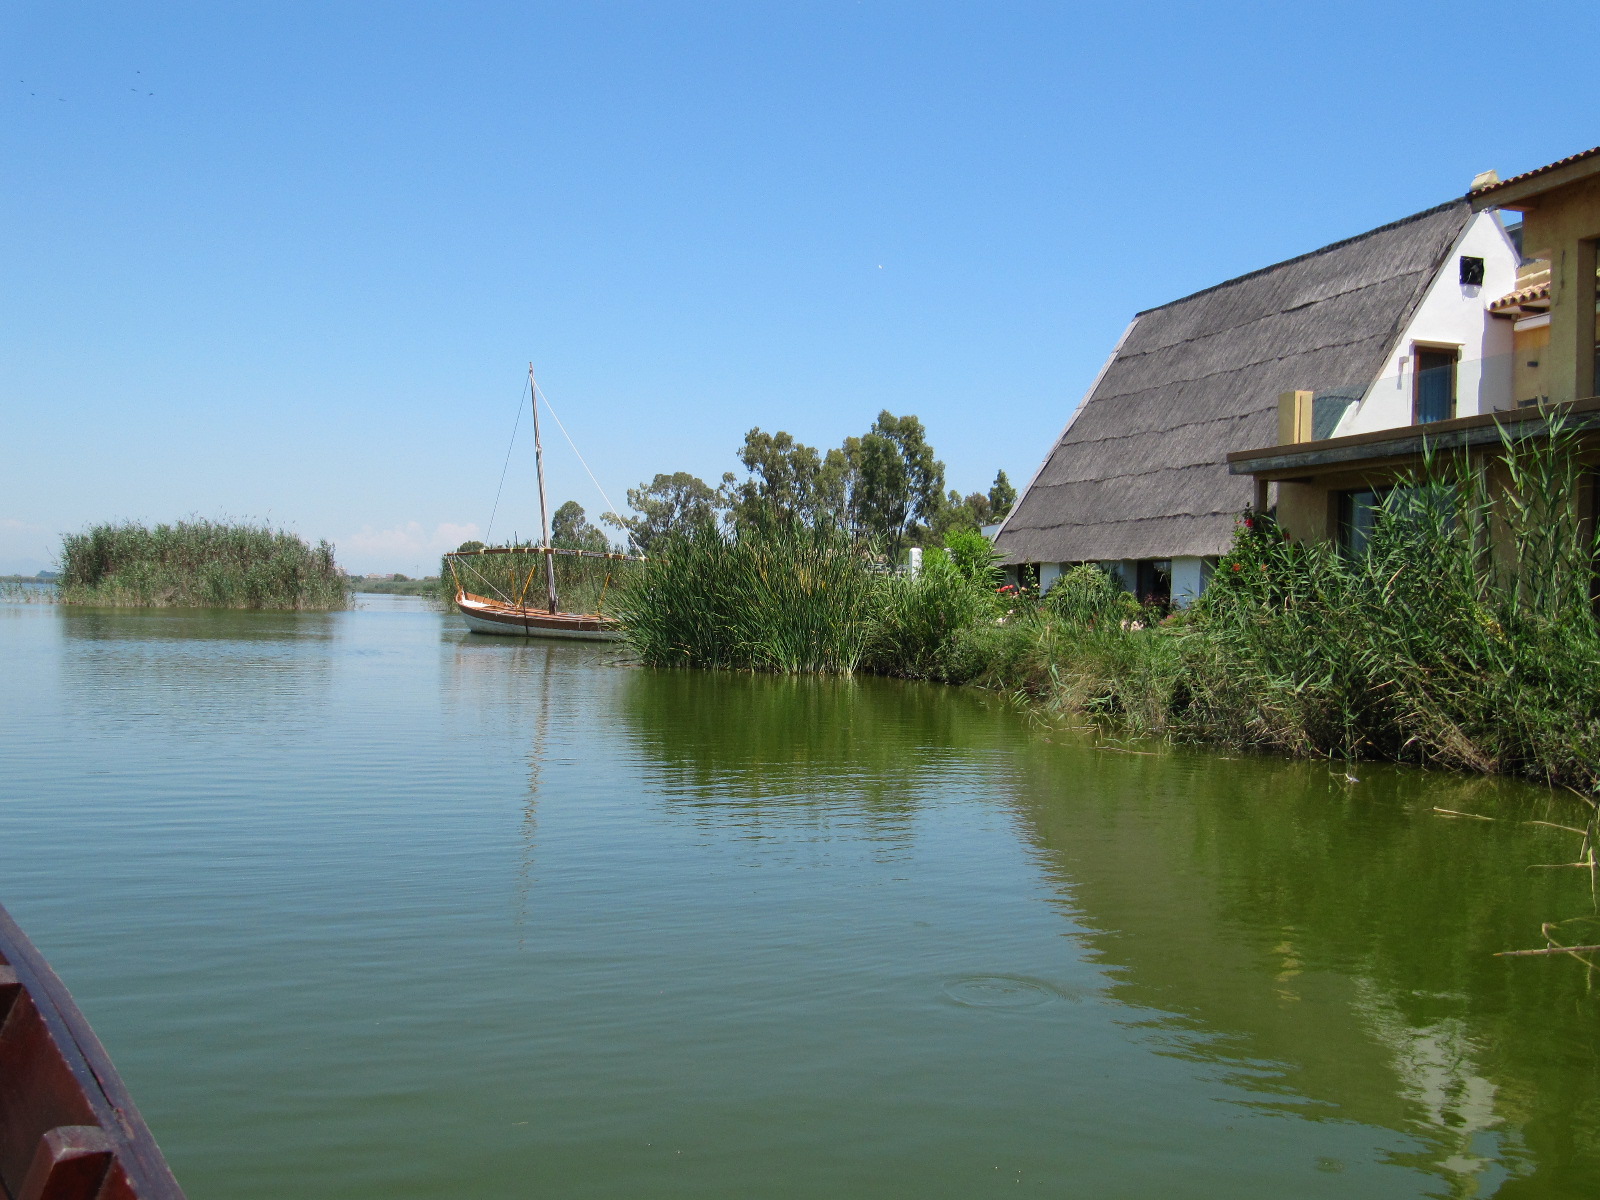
x: 483, y: 615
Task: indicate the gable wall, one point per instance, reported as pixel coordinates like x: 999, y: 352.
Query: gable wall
x: 1451, y: 314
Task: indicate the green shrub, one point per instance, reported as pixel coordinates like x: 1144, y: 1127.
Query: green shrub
x: 1088, y: 594
x: 919, y: 616
x: 973, y: 555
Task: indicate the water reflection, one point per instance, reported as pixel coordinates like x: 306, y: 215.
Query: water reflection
x: 200, y: 670
x: 784, y: 750
x: 1325, y: 946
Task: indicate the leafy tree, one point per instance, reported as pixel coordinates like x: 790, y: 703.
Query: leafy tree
x: 571, y: 529
x: 785, y: 481
x: 1002, y: 496
x: 468, y: 546
x: 960, y: 513
x: 896, y: 481
x: 973, y: 555
x: 668, y: 503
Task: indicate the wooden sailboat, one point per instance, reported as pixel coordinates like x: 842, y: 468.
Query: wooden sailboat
x: 512, y: 615
x: 68, y: 1128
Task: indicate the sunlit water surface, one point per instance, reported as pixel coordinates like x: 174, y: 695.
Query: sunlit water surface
x: 365, y: 906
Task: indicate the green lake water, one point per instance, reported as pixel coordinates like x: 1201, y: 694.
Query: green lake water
x: 365, y: 906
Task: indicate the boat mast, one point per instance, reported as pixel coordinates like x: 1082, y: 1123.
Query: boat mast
x: 544, y: 519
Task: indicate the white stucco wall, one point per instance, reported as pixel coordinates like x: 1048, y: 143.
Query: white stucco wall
x: 1451, y: 314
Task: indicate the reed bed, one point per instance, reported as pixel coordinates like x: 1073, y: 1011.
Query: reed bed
x: 787, y: 597
x: 1464, y: 636
x: 199, y: 564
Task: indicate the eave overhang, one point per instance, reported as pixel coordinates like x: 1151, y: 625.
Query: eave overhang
x: 1412, y: 441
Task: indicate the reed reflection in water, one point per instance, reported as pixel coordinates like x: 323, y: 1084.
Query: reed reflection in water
x: 365, y: 906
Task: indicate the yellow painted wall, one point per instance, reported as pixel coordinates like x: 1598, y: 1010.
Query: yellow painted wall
x: 1303, y: 511
x: 1561, y: 226
x: 1528, y: 366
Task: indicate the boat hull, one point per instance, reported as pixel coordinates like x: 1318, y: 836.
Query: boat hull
x: 506, y: 620
x: 68, y: 1128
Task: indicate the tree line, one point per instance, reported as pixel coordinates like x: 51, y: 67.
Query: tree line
x: 886, y: 486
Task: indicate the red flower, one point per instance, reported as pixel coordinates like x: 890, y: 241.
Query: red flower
x: 1237, y: 567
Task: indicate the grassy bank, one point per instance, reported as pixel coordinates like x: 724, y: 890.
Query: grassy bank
x: 1464, y: 636
x: 199, y: 564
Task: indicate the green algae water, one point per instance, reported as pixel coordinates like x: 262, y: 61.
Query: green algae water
x: 365, y: 906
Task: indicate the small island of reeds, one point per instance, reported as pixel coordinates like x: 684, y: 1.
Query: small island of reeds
x: 199, y: 564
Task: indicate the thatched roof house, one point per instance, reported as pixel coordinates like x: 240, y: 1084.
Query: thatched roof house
x: 1139, y: 479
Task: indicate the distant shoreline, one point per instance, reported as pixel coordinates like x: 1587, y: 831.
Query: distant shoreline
x: 396, y: 587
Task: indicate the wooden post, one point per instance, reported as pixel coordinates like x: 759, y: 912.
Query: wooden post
x: 1294, y: 417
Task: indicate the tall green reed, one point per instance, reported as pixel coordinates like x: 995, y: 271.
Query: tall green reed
x: 199, y: 564
x: 1464, y: 634
x: 783, y: 596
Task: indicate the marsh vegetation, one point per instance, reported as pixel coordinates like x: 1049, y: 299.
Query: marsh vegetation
x: 1464, y: 635
x: 199, y: 564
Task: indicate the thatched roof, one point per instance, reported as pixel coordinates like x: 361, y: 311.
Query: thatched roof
x: 1139, y: 471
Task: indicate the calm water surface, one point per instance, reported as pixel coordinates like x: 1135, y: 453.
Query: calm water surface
x: 364, y: 906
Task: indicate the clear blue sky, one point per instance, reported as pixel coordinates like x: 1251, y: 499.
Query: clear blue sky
x: 289, y: 260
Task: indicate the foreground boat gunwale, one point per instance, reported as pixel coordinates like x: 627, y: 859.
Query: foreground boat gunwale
x: 130, y: 1145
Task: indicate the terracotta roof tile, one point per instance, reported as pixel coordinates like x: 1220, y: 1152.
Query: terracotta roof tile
x: 1527, y: 295
x: 1561, y: 162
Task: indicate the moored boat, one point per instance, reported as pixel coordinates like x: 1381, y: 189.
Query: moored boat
x: 509, y: 614
x: 68, y: 1128
x: 485, y: 615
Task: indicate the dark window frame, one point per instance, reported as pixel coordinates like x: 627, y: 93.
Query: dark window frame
x: 1421, y: 375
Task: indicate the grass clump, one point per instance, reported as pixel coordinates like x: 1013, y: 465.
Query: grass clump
x: 199, y: 564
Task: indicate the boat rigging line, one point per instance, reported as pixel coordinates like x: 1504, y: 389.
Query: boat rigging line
x: 610, y: 507
x: 512, y: 446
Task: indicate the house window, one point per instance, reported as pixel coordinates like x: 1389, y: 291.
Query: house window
x: 1358, y: 517
x: 1154, y: 581
x: 1471, y: 271
x: 1434, y: 395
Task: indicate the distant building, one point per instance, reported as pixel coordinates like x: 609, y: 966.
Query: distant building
x: 1385, y: 330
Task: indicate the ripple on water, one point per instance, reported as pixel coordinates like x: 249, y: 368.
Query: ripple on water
x: 1003, y: 991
